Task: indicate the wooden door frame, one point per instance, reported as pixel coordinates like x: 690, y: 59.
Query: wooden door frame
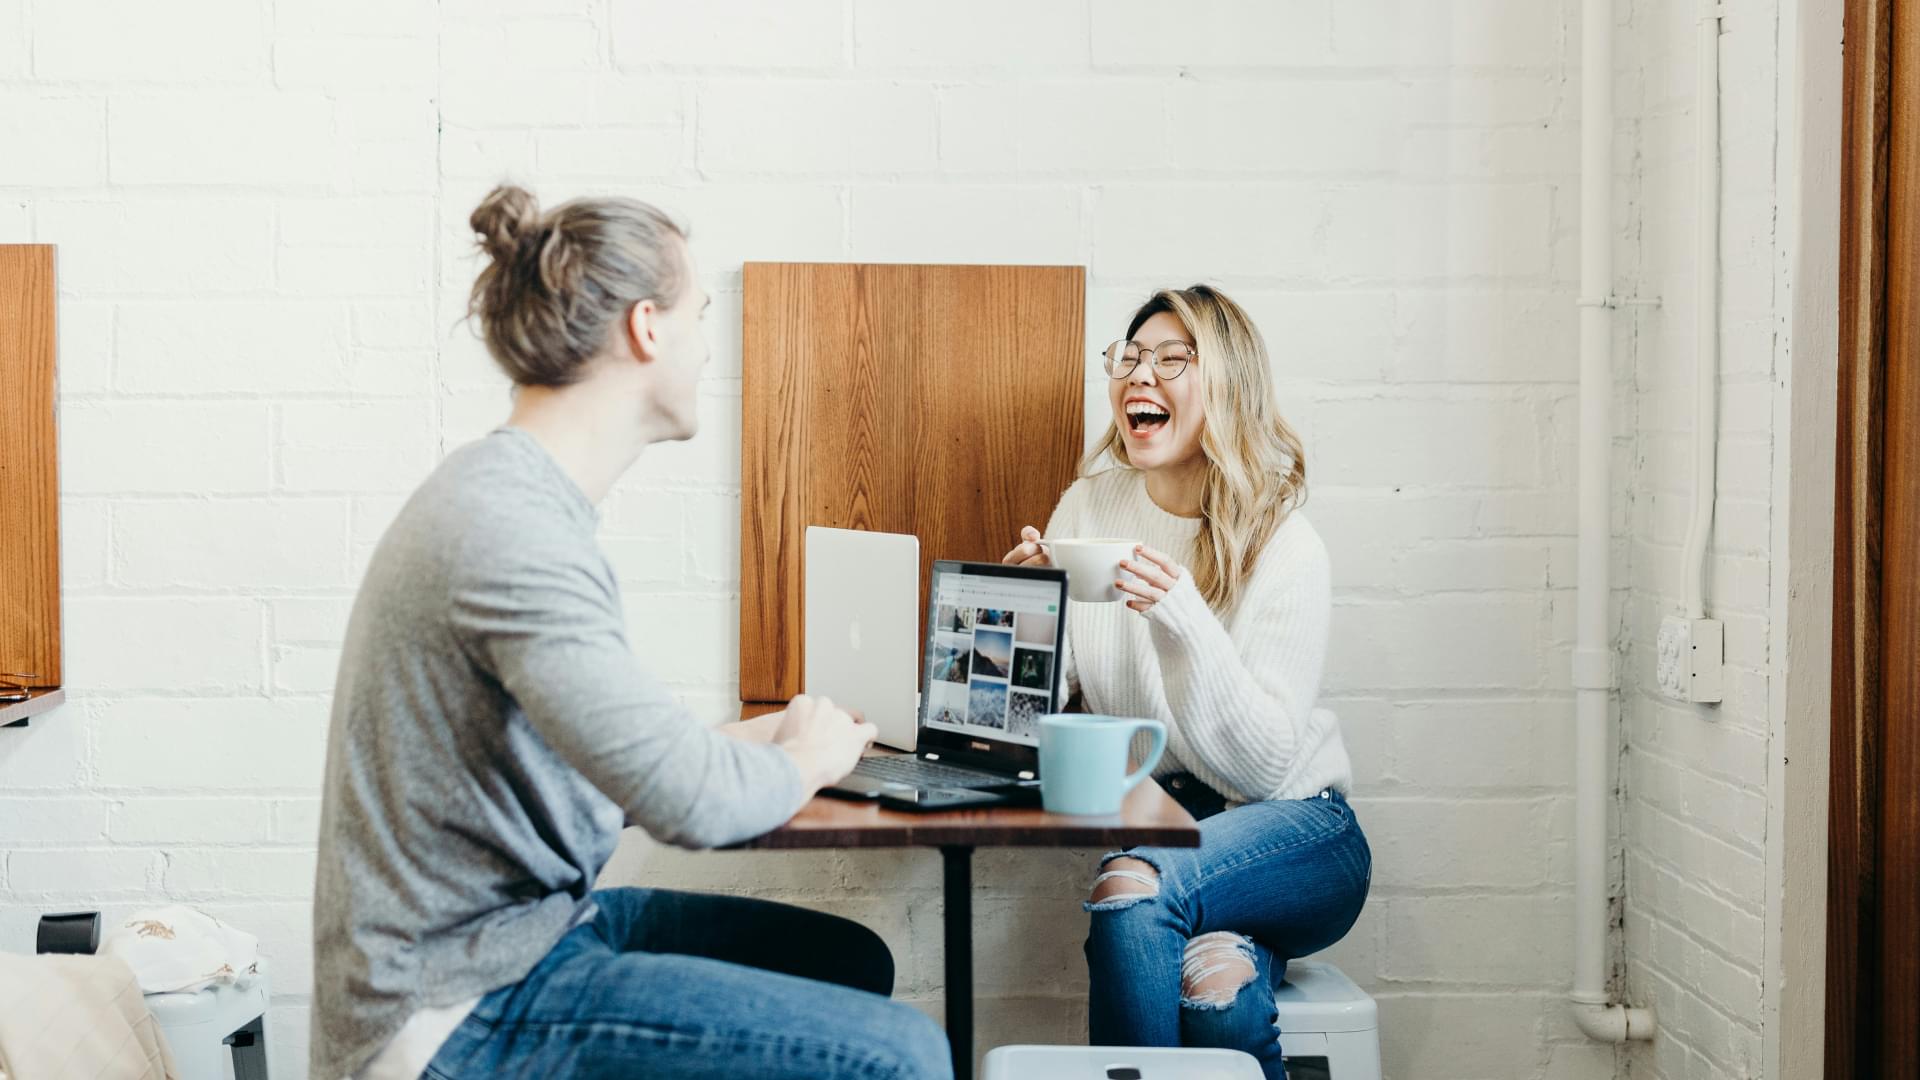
x: 1873, y: 887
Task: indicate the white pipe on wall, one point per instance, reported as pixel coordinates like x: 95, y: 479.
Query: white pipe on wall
x: 1596, y: 1014
x: 1706, y: 273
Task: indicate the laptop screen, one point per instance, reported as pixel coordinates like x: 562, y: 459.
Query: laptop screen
x: 992, y: 663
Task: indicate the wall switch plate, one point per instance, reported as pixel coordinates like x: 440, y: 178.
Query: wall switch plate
x: 1688, y: 659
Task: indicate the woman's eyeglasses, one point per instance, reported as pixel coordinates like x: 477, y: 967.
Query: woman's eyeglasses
x: 1169, y: 358
x: 13, y: 686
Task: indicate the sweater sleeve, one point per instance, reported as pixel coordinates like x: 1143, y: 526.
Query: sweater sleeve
x: 554, y: 637
x: 1065, y: 523
x: 1244, y: 698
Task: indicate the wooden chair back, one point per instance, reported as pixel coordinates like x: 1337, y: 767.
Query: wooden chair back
x: 941, y: 401
x: 29, y: 481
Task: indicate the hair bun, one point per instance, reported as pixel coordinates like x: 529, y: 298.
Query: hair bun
x: 558, y: 284
x: 504, y: 219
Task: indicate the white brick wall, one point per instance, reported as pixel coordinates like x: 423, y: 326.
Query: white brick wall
x: 261, y: 210
x: 1695, y: 777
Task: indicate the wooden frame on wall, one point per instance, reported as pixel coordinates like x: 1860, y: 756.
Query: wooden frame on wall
x: 29, y: 480
x: 1873, y: 884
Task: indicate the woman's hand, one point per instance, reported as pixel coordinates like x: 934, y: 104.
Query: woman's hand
x: 1156, y: 574
x: 1029, y: 552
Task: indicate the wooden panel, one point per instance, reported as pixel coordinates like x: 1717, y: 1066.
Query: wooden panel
x: 1853, y: 789
x: 942, y: 401
x: 1873, y: 923
x: 29, y: 484
x: 1898, y: 840
x: 1149, y: 816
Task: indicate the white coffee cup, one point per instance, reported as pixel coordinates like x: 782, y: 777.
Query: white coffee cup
x: 1092, y: 567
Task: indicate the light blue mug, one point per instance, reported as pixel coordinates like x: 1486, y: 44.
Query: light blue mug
x: 1083, y: 761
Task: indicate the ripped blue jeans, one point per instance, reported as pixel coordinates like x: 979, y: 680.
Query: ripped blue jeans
x: 1271, y: 880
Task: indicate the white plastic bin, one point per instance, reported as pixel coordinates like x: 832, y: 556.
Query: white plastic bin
x: 1117, y: 1063
x: 208, y: 1028
x: 1323, y: 1014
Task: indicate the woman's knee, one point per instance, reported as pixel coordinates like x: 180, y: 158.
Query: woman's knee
x: 1214, y: 970
x: 1222, y: 1003
x: 1123, y: 881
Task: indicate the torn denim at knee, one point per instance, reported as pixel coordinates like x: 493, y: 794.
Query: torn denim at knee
x: 1211, y: 954
x: 1123, y: 900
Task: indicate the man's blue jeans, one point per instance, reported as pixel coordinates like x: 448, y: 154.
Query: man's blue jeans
x: 1287, y: 878
x: 677, y: 985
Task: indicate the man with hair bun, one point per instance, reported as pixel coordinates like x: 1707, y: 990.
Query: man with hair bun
x: 493, y: 731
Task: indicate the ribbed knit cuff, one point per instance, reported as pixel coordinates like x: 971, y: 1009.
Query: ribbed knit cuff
x: 1184, y: 614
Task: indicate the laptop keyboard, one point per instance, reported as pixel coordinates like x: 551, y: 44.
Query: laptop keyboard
x: 927, y: 774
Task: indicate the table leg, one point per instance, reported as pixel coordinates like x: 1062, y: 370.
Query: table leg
x: 959, y: 955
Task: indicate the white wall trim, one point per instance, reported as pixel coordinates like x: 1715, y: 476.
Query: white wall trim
x: 1793, y: 997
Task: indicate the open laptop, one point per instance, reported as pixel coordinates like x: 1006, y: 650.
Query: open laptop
x: 993, y: 637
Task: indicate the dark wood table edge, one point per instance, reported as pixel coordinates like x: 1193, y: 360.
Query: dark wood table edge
x: 937, y: 838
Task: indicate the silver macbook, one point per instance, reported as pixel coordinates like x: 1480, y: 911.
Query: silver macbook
x: 862, y: 601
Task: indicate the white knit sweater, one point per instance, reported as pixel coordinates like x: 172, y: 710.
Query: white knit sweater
x: 1235, y: 689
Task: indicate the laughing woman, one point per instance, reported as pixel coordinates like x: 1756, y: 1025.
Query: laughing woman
x: 1223, y: 639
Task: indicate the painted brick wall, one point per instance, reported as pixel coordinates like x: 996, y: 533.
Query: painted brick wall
x: 261, y: 207
x: 1695, y: 777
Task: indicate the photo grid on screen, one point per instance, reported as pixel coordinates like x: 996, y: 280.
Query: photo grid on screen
x: 993, y: 663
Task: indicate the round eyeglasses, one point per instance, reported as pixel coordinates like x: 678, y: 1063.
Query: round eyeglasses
x: 1169, y: 358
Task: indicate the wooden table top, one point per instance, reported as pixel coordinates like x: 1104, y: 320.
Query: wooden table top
x: 1149, y: 816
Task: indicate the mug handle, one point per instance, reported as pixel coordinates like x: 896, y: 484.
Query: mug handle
x: 1153, y: 756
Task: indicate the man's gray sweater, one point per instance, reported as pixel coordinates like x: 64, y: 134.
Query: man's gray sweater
x: 491, y: 732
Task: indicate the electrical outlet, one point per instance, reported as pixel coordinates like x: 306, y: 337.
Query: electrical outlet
x: 1675, y: 639
x: 1688, y: 660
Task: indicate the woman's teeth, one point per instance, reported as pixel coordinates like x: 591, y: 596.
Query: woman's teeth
x: 1144, y: 418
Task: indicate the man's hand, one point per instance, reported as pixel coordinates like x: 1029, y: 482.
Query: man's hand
x: 758, y: 729
x: 824, y: 740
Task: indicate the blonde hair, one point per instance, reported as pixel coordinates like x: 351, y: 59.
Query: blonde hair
x: 557, y: 281
x: 1256, y: 468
